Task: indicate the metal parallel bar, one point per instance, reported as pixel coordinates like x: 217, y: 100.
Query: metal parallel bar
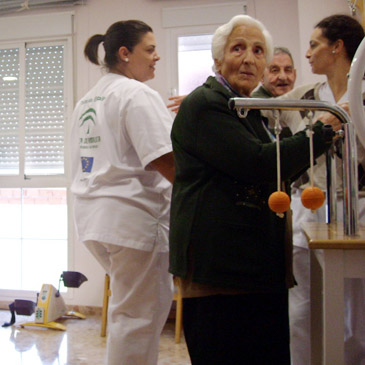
x: 273, y: 104
x: 350, y: 180
x: 355, y: 91
x: 349, y: 158
x: 331, y: 214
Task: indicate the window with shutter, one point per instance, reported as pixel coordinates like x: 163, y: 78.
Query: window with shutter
x: 35, y: 92
x: 9, y: 111
x: 44, y: 110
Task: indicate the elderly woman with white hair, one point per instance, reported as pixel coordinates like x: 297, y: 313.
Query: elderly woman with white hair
x: 231, y: 253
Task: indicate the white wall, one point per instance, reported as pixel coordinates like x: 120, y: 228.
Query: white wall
x: 290, y: 22
x: 281, y: 19
x: 311, y: 12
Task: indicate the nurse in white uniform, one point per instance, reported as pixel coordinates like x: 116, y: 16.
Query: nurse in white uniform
x: 122, y: 171
x: 332, y: 46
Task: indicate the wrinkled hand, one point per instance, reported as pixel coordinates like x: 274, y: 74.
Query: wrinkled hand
x: 345, y: 106
x: 176, y: 102
x: 330, y: 119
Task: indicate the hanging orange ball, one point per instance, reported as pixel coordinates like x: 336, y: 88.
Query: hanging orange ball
x: 279, y: 202
x: 313, y: 197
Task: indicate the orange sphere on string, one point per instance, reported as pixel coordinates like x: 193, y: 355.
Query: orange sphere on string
x: 279, y: 202
x: 312, y: 197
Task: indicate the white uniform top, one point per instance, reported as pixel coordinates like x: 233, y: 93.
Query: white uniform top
x: 118, y: 128
x: 300, y: 213
x: 296, y: 121
x: 326, y: 94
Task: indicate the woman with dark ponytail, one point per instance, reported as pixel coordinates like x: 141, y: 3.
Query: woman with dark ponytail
x: 122, y: 170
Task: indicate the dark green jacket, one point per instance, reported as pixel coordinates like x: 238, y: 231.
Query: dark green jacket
x: 225, y: 172
x: 262, y: 92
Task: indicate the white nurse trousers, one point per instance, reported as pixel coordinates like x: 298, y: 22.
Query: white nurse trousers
x: 142, y: 291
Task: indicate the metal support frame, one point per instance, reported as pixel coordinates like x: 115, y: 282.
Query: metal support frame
x: 349, y: 151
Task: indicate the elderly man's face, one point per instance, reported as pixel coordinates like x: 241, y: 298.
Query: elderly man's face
x: 244, y: 59
x: 279, y: 76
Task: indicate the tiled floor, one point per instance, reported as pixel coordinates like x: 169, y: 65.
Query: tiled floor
x: 80, y: 344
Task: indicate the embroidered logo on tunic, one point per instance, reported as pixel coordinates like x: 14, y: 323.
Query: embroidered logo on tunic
x: 87, y: 163
x: 88, y: 116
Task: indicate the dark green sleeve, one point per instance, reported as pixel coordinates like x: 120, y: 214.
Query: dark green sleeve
x: 208, y: 130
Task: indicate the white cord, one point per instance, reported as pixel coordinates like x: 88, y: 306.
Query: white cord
x: 310, y: 135
x: 277, y: 135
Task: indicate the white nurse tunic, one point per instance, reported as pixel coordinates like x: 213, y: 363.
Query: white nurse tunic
x: 122, y: 208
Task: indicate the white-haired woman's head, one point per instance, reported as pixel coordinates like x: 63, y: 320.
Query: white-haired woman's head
x: 222, y: 33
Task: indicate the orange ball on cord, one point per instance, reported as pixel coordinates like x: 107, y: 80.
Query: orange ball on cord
x: 279, y: 202
x: 312, y: 197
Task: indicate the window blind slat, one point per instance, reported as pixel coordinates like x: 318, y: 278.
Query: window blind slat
x: 44, y: 111
x: 9, y: 111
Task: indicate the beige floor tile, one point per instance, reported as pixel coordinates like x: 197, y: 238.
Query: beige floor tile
x: 80, y: 344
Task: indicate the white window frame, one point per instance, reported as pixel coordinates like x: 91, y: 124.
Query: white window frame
x: 56, y: 180
x: 194, y: 20
x: 174, y: 35
x: 17, y: 32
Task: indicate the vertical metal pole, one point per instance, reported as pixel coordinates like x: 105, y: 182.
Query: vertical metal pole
x: 331, y: 213
x: 331, y: 173
x: 350, y: 181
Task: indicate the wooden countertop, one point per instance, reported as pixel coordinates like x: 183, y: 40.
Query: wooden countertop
x: 331, y: 236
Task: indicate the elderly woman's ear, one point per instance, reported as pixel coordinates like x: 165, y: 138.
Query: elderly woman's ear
x: 218, y: 65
